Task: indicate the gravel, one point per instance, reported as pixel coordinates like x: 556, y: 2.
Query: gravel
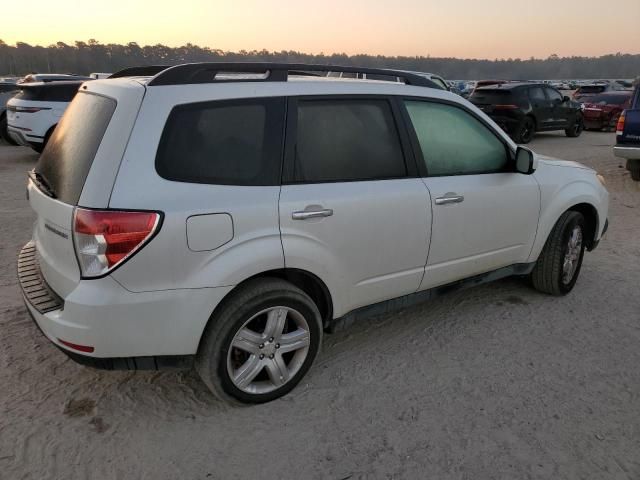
x: 496, y: 382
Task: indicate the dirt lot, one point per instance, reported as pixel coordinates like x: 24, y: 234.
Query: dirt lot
x: 495, y: 382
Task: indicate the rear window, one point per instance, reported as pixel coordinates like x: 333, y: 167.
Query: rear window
x: 227, y: 143
x: 592, y: 89
x: 491, y: 97
x: 610, y: 99
x: 4, y: 88
x: 66, y: 160
x: 51, y: 92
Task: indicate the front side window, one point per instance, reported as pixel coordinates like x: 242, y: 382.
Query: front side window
x: 226, y: 142
x: 537, y: 94
x: 346, y: 140
x: 554, y: 95
x: 453, y: 142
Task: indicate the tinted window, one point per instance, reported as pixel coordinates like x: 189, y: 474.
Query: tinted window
x: 343, y: 140
x: 536, y: 93
x: 592, y: 89
x: 4, y: 88
x: 491, y: 97
x: 439, y: 82
x: 232, y: 143
x: 453, y: 142
x: 608, y: 99
x: 553, y: 94
x: 66, y: 160
x: 51, y: 92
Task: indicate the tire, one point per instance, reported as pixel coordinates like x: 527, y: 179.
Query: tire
x: 526, y: 131
x: 634, y: 167
x: 576, y: 129
x: 4, y: 132
x: 548, y: 275
x: 254, y: 307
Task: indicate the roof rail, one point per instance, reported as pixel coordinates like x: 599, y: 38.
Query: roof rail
x: 146, y: 71
x: 191, y: 73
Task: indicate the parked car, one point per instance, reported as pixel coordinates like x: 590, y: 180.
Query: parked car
x: 32, y: 114
x: 51, y: 77
x: 7, y: 90
x: 522, y: 109
x: 585, y: 91
x: 437, y: 79
x: 628, y: 135
x: 225, y: 225
x: 602, y: 111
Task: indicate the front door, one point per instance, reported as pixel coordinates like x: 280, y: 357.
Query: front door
x: 350, y: 210
x: 485, y: 215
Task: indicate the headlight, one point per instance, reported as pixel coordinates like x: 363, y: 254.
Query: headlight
x: 601, y: 179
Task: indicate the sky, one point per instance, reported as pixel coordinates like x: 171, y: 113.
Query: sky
x: 439, y: 28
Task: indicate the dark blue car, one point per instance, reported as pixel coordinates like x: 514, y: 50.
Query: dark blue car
x: 628, y: 135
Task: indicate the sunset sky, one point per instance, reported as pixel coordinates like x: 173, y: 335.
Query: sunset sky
x: 457, y: 28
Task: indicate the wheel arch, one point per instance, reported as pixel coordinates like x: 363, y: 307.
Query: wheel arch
x: 591, y: 222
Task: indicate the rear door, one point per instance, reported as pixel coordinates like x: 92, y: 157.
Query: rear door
x: 352, y: 209
x: 485, y: 215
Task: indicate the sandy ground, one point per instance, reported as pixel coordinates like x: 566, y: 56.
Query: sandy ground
x: 497, y: 382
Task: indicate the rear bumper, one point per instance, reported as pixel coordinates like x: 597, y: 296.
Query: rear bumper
x: 113, y: 324
x: 630, y: 153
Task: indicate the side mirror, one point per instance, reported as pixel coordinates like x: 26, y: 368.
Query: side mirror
x: 524, y: 161
x: 565, y: 99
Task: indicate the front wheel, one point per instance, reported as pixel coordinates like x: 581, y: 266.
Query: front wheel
x: 260, y: 343
x: 576, y: 129
x: 558, y: 266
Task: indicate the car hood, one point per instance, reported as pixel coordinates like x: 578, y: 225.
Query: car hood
x: 542, y: 159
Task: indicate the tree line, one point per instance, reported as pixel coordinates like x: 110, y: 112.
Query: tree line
x: 93, y: 56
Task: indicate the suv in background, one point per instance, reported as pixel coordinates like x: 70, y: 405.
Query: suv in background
x: 34, y: 112
x: 224, y: 215
x: 522, y: 109
x: 7, y: 90
x: 628, y: 135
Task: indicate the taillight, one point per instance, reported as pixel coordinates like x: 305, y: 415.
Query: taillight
x: 620, y: 125
x: 106, y: 238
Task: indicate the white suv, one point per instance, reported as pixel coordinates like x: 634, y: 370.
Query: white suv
x: 34, y: 112
x: 224, y: 215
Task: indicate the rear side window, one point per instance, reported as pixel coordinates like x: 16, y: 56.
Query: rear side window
x: 346, y: 140
x: 227, y: 143
x: 453, y: 142
x: 66, y: 160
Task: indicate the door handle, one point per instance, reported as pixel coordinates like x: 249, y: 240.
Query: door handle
x: 306, y: 214
x: 449, y: 198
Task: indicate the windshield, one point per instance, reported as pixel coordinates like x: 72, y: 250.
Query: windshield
x: 592, y: 89
x: 65, y: 162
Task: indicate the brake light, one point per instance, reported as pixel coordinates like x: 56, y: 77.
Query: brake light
x: 505, y: 107
x: 620, y: 126
x: 104, y: 239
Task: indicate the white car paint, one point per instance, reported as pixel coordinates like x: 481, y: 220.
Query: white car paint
x: 385, y: 238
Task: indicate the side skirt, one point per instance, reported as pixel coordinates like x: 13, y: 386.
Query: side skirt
x: 406, y: 301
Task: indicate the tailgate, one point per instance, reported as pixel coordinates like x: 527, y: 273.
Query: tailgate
x: 631, y: 132
x: 53, y: 240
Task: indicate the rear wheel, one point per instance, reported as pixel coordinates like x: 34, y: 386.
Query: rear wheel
x: 527, y: 130
x: 4, y: 132
x: 559, y: 264
x: 576, y: 129
x: 634, y: 167
x: 260, y: 343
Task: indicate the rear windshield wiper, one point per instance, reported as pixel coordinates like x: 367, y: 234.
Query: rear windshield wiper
x: 42, y: 183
